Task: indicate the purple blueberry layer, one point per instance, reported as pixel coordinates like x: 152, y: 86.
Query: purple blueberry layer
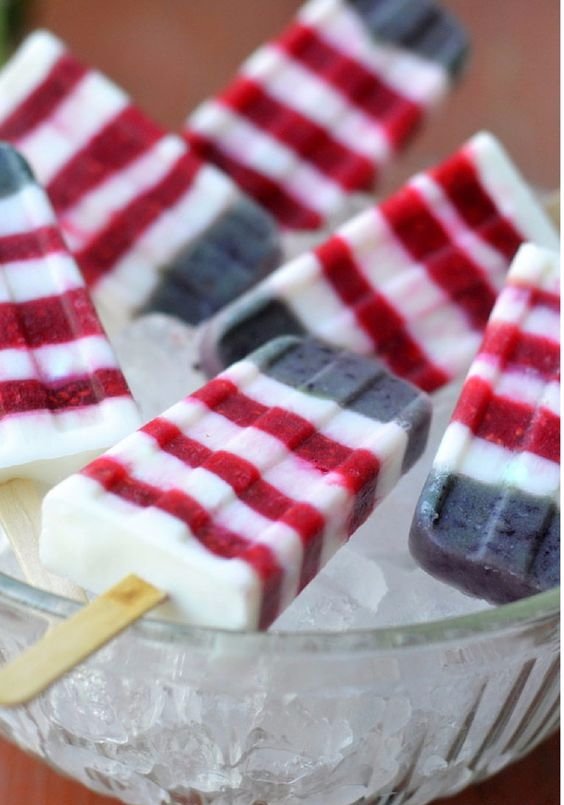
x: 237, y: 251
x: 494, y: 542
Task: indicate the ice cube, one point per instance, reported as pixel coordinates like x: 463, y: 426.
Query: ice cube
x: 158, y: 354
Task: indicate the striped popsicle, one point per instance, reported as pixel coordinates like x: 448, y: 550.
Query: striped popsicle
x: 412, y: 280
x: 233, y: 499
x: 315, y: 114
x: 63, y: 397
x: 150, y: 225
x: 488, y: 517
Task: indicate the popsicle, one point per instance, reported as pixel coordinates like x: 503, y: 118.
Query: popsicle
x: 63, y: 397
x: 316, y: 114
x: 150, y: 225
x: 411, y: 280
x: 234, y: 498
x: 488, y: 518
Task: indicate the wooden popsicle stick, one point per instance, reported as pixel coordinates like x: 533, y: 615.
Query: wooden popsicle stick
x: 20, y: 517
x: 69, y: 643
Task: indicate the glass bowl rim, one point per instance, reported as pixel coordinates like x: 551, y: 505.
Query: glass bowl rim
x: 536, y: 610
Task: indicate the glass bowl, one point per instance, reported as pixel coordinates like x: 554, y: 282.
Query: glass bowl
x: 173, y: 714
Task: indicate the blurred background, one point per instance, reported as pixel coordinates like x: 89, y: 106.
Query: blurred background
x: 171, y: 54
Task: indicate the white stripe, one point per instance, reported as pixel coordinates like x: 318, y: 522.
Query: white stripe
x: 544, y: 322
x: 26, y: 69
x: 84, y: 220
x: 58, y: 361
x: 293, y: 85
x: 51, y: 275
x: 536, y: 475
x: 520, y: 386
x: 251, y: 146
x: 46, y: 446
x: 535, y: 266
x: 509, y: 192
x: 462, y: 452
x: 16, y: 364
x: 446, y: 338
x: 91, y: 105
x: 513, y: 307
x: 419, y: 79
x: 492, y: 263
x: 375, y: 247
x: 25, y: 210
x: 268, y: 391
x: 344, y: 331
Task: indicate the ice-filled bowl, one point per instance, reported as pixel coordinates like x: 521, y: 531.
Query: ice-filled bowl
x: 342, y: 705
x: 172, y: 714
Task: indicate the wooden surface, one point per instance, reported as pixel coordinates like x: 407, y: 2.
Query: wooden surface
x: 532, y: 781
x: 179, y: 52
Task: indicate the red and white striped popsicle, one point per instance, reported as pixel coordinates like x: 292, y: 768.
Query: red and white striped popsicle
x: 411, y: 280
x: 488, y: 517
x: 315, y: 114
x: 150, y: 225
x: 63, y: 397
x: 233, y: 499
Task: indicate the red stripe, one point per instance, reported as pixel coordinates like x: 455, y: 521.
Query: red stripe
x: 377, y: 317
x: 288, y: 210
x: 519, y: 349
x: 121, y: 141
x: 215, y: 538
x: 20, y: 396
x: 41, y: 103
x: 171, y: 439
x: 544, y: 438
x: 511, y: 424
x: 538, y: 297
x: 460, y: 180
x: 428, y: 242
x: 362, y: 87
x: 310, y: 141
x: 250, y: 488
x: 31, y: 245
x: 127, y: 225
x: 49, y: 320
